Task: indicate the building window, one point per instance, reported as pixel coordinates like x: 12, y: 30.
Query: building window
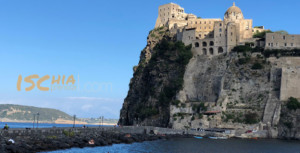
x: 211, y: 51
x: 231, y: 33
x: 292, y: 44
x: 283, y: 37
x: 204, y: 44
x: 200, y: 34
x: 204, y: 22
x: 220, y: 30
x: 285, y: 44
x: 220, y: 50
x: 220, y: 24
x: 220, y: 35
x: 269, y: 44
x: 196, y: 44
x: 204, y: 51
x: 273, y: 37
x: 211, y: 43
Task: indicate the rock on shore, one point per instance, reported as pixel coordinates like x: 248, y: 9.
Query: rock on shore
x: 80, y: 140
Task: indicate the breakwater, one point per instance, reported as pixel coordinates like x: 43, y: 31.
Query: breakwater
x: 44, y: 139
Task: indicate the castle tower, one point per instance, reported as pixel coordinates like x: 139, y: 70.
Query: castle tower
x: 167, y: 12
x: 233, y: 14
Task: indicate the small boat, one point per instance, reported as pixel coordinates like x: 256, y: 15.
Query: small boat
x: 198, y: 137
x: 255, y: 138
x: 218, y: 137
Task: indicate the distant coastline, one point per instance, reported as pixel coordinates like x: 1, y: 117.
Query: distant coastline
x: 58, y: 121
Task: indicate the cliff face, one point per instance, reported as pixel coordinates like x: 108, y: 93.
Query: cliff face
x: 237, y: 86
x: 289, y: 124
x: 156, y: 80
x: 174, y: 87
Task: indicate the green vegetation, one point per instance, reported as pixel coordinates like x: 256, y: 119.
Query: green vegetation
x: 181, y: 115
x: 282, y: 32
x: 293, y: 104
x: 175, y: 102
x: 69, y: 133
x: 199, y: 108
x: 242, y: 61
x: 280, y: 52
x: 251, y: 118
x: 145, y: 112
x: 183, y: 55
x: 261, y: 34
x: 26, y: 113
x: 257, y: 66
x: 200, y: 116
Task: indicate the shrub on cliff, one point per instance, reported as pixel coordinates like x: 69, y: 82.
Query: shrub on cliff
x: 242, y: 48
x: 251, y: 118
x: 293, y: 104
x: 257, y: 66
x: 261, y: 34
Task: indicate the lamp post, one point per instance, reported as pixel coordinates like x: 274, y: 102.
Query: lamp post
x: 33, y: 120
x: 37, y: 120
x: 100, y: 121
x: 74, y: 121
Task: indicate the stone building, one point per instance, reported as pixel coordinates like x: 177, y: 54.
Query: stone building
x: 216, y: 36
x: 207, y: 36
x: 282, y: 41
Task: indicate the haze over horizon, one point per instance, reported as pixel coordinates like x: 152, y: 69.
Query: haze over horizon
x: 98, y: 42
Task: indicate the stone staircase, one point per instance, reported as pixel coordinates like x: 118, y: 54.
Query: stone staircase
x: 273, y: 105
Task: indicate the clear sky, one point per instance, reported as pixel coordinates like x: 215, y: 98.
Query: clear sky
x: 99, y: 41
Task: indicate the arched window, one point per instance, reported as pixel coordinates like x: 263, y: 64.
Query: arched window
x: 204, y: 51
x: 211, y: 43
x: 220, y: 50
x: 196, y: 44
x: 211, y: 51
x: 220, y: 24
x: 204, y: 44
x: 220, y: 30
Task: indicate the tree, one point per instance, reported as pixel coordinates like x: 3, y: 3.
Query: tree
x: 293, y: 104
x: 282, y: 32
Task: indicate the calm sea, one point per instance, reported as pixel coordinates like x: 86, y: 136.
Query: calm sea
x: 192, y: 145
x: 40, y: 125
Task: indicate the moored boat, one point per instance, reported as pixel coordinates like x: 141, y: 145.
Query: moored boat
x: 218, y: 137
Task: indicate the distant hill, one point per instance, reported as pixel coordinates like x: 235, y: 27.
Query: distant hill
x: 25, y: 113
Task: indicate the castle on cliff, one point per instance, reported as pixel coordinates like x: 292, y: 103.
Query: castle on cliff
x: 212, y: 37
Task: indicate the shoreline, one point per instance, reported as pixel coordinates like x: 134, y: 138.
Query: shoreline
x: 51, y: 139
x: 66, y: 138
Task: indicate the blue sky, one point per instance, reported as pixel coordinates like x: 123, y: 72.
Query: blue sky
x: 99, y: 41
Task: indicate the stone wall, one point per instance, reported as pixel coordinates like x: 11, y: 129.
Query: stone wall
x: 13, y: 133
x: 282, y: 41
x: 290, y: 84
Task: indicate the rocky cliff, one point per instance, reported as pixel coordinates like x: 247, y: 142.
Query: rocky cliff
x: 174, y: 87
x: 156, y: 80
